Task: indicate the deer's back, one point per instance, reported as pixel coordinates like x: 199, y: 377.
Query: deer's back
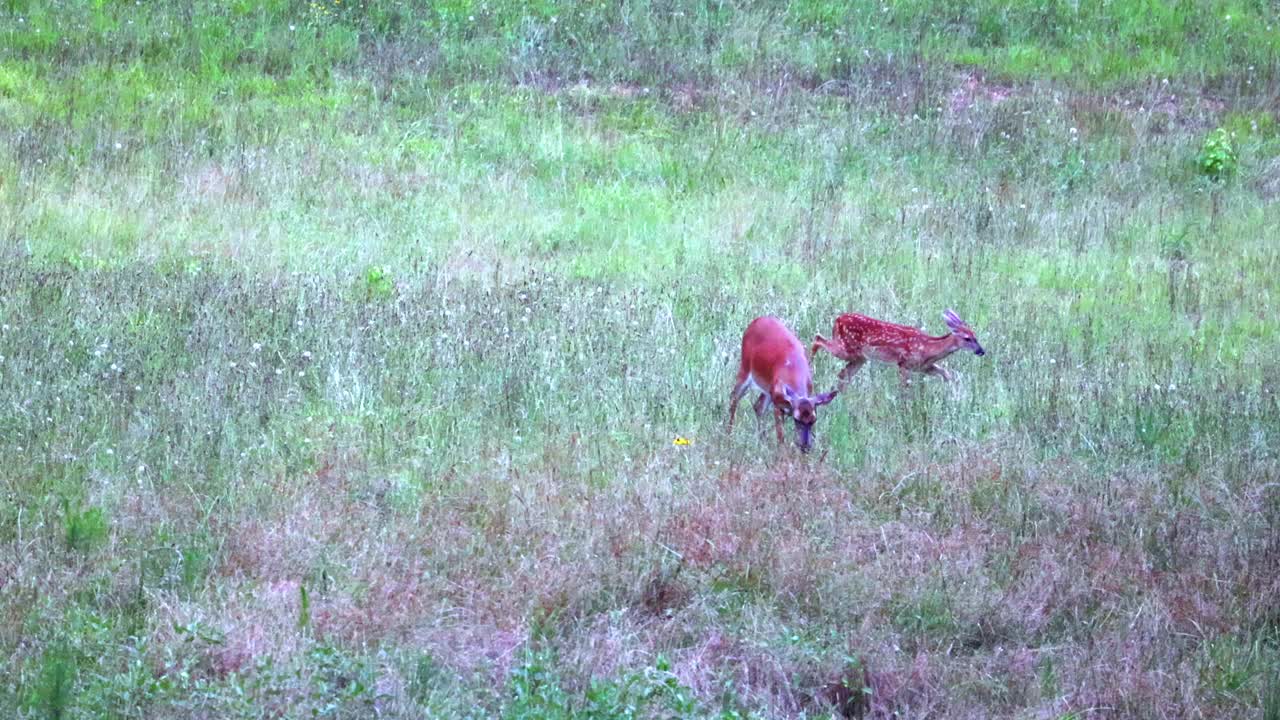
x: 769, y: 347
x: 857, y: 332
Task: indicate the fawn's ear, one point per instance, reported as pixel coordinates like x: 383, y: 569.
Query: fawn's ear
x: 825, y: 398
x: 952, y: 319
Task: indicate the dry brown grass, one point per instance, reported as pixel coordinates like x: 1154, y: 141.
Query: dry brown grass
x: 949, y: 603
x: 971, y: 582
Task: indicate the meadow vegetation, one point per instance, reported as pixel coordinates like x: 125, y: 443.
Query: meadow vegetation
x: 343, y: 346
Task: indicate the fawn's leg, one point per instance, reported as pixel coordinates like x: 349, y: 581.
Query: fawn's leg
x: 940, y: 371
x: 819, y: 343
x: 848, y: 371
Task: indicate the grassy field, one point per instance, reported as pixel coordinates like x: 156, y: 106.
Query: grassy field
x: 343, y: 347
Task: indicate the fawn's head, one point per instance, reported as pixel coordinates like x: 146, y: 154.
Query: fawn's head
x: 960, y: 329
x: 804, y: 411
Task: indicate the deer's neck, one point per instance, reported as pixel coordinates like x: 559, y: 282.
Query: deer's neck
x: 936, y: 349
x: 799, y: 383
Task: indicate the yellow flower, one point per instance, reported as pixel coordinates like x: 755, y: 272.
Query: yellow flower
x: 680, y: 441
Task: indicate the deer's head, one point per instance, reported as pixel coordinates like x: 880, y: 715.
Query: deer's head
x: 961, y: 330
x: 804, y: 411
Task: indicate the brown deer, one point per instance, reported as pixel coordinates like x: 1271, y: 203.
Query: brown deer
x: 774, y: 363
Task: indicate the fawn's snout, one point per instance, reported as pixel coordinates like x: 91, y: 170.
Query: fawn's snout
x: 969, y: 341
x: 964, y: 332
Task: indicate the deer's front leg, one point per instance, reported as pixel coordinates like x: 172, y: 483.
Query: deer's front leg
x: 904, y: 376
x: 821, y: 343
x: 941, y: 372
x: 848, y: 371
x: 777, y: 424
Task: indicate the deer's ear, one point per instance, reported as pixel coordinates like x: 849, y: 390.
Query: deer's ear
x: 783, y: 400
x: 952, y: 319
x: 825, y: 398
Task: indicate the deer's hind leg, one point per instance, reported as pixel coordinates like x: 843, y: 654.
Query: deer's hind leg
x: 762, y: 405
x: 740, y: 388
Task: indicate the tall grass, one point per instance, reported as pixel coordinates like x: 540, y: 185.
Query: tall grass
x: 343, y: 348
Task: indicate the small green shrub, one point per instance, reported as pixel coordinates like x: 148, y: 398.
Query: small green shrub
x: 51, y: 697
x: 378, y: 283
x: 535, y: 691
x: 990, y: 30
x: 341, y: 684
x: 85, y: 529
x: 194, y: 566
x: 1217, y: 159
x: 304, y: 609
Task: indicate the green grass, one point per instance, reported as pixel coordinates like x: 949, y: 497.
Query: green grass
x: 343, y: 347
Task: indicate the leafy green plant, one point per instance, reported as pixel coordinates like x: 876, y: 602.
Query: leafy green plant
x: 535, y: 690
x: 664, y: 684
x: 194, y: 565
x: 304, y: 609
x: 424, y: 676
x: 51, y: 696
x: 341, y: 685
x: 83, y: 529
x: 1048, y: 677
x: 1217, y: 159
x: 990, y: 30
x: 378, y: 283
